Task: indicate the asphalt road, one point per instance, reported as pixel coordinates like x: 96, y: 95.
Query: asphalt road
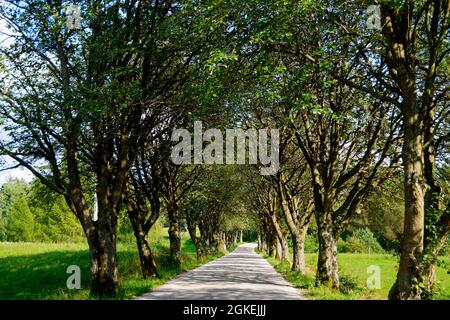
x: 240, y: 275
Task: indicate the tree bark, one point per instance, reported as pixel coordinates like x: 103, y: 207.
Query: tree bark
x: 137, y: 210
x: 103, y: 265
x: 192, y: 229
x: 282, y: 239
x: 174, y: 234
x: 102, y: 246
x: 298, y: 263
x: 297, y: 224
x: 148, y: 263
x: 100, y: 234
x: 413, y: 234
x: 327, y: 264
x: 259, y: 241
x: 402, y: 67
x: 221, y: 242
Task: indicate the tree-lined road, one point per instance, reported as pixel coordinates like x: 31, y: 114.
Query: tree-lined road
x: 242, y: 275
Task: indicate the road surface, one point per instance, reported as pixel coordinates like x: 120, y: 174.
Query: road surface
x: 240, y: 275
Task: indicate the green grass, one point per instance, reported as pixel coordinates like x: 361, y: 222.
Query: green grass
x: 38, y: 270
x: 353, y: 272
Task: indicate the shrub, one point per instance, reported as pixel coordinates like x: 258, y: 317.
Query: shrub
x: 341, y: 246
x: 348, y: 284
x: 362, y: 241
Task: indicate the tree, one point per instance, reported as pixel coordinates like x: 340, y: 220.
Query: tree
x: 407, y: 60
x: 266, y: 205
x: 80, y: 106
x: 20, y: 225
x: 144, y: 190
x: 211, y: 209
x: 413, y: 47
x: 345, y: 139
x: 9, y: 193
x: 403, y: 28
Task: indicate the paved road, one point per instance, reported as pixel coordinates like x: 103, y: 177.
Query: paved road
x: 242, y: 274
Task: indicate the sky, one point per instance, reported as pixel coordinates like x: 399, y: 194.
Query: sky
x: 19, y: 173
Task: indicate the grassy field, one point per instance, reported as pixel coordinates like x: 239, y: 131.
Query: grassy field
x: 38, y: 270
x: 353, y: 271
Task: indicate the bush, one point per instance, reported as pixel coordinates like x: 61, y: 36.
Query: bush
x: 361, y: 241
x: 348, y: 284
x: 341, y: 246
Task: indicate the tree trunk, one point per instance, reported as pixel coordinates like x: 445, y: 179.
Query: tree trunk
x: 413, y: 233
x: 103, y: 263
x: 192, y: 229
x: 259, y: 242
x: 278, y: 249
x: 401, y: 61
x: 174, y: 235
x: 101, y: 237
x: 327, y: 264
x: 297, y: 224
x: 137, y: 211
x: 221, y: 242
x: 435, y: 237
x: 148, y: 264
x: 285, y: 248
x: 270, y: 248
x: 298, y: 263
x: 282, y: 239
x: 429, y: 277
x: 241, y: 237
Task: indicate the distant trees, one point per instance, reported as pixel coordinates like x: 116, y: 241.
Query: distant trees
x: 212, y: 212
x: 34, y: 213
x: 10, y: 193
x: 20, y: 224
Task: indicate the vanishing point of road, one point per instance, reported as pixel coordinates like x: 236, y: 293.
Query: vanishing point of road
x: 240, y: 275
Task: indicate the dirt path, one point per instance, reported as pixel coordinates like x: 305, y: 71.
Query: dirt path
x: 242, y: 274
